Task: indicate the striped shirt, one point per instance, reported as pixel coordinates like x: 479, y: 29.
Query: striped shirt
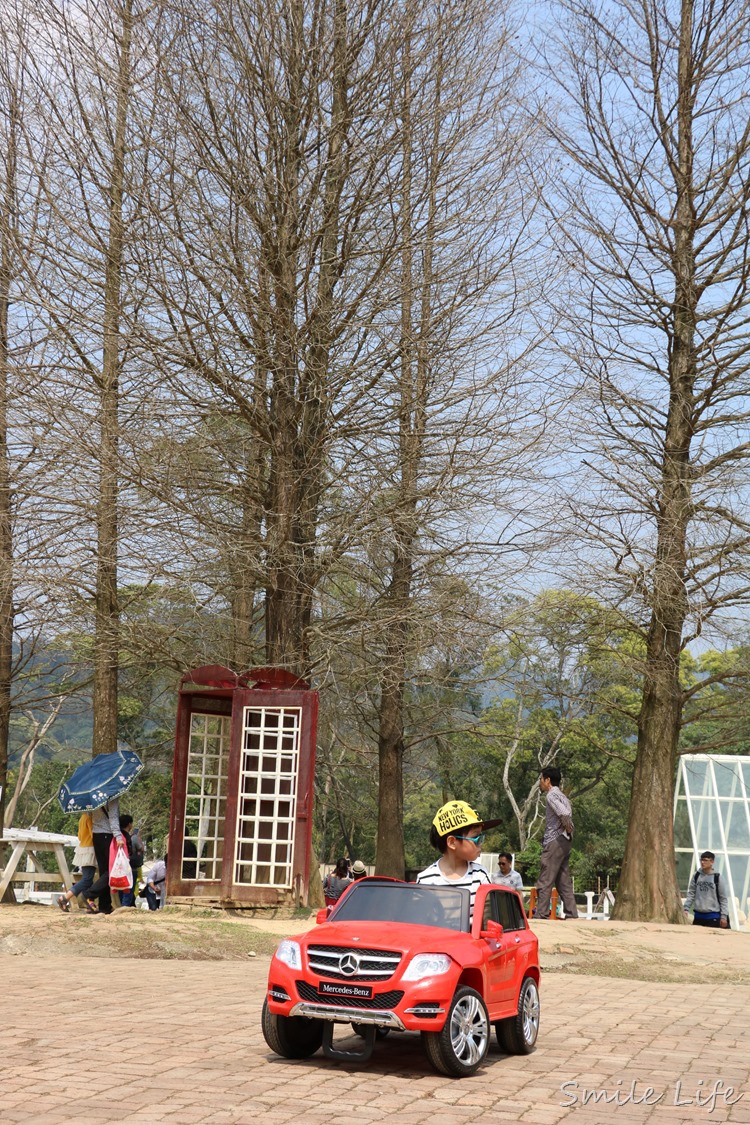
x: 557, y: 805
x: 474, y: 877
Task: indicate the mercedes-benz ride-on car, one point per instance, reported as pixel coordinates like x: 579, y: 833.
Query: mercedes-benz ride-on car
x: 394, y: 956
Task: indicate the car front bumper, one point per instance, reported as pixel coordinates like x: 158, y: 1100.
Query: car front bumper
x: 347, y: 1015
x: 416, y: 1006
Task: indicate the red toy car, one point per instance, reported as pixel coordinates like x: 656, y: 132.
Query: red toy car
x: 400, y: 956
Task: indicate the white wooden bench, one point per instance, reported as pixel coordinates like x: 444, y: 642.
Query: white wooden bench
x: 29, y: 842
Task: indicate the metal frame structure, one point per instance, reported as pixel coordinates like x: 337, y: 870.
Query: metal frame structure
x: 712, y: 813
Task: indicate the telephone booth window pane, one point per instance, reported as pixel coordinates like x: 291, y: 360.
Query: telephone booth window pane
x: 208, y: 759
x: 265, y: 826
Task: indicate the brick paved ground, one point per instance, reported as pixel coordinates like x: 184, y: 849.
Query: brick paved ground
x: 184, y: 1045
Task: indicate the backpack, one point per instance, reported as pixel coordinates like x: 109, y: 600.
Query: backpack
x: 138, y: 851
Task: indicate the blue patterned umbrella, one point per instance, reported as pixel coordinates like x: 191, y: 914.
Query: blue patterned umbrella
x: 100, y: 780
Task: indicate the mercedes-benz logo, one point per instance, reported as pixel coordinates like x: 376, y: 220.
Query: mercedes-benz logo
x: 349, y: 964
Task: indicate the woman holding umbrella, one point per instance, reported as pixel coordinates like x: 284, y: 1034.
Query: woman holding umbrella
x: 105, y: 828
x: 96, y: 786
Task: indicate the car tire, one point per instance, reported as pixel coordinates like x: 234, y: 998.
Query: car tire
x: 292, y: 1037
x: 460, y: 1048
x: 517, y: 1035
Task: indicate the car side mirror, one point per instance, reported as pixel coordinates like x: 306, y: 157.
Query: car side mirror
x: 493, y: 932
x: 322, y: 915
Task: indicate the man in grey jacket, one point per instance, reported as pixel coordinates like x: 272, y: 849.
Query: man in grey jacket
x: 707, y: 894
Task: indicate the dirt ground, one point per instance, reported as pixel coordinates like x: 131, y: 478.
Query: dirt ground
x: 638, y: 951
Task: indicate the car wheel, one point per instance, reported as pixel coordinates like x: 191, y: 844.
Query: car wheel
x: 361, y: 1028
x: 517, y: 1035
x: 292, y: 1037
x: 461, y: 1046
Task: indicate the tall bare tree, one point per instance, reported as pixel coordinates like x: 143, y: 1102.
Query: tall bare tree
x: 93, y: 63
x: 23, y: 540
x: 268, y: 278
x: 11, y: 68
x: 655, y: 118
x: 465, y: 242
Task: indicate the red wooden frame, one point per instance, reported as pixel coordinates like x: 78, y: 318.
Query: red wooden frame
x: 216, y: 690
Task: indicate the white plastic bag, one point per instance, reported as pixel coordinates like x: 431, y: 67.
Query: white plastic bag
x: 120, y: 873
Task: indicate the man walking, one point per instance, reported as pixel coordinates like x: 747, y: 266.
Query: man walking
x: 556, y: 845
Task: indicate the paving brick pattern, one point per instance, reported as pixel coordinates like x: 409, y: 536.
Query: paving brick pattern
x: 100, y: 1040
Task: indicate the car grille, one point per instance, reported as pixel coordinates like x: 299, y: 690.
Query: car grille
x: 384, y: 1000
x: 374, y: 964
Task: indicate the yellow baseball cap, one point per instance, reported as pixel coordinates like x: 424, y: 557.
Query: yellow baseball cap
x: 455, y: 815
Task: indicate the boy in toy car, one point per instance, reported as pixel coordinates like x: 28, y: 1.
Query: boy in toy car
x: 457, y: 833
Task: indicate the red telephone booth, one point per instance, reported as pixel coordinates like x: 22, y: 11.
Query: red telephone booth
x: 244, y: 761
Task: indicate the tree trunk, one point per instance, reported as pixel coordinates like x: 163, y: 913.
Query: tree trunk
x: 300, y: 399
x: 7, y: 254
x: 243, y: 566
x: 106, y: 641
x: 390, y: 842
x: 648, y: 888
x: 280, y: 260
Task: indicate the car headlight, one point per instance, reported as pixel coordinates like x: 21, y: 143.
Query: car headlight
x: 427, y: 965
x: 289, y: 953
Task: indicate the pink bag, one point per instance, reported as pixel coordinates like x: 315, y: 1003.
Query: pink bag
x: 120, y: 873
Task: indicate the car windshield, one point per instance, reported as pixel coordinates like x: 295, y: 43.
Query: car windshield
x: 446, y: 907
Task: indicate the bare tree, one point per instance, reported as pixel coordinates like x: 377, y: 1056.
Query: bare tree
x: 267, y: 279
x: 464, y: 239
x: 11, y: 67
x: 92, y: 64
x: 23, y: 541
x: 655, y: 118
x: 39, y: 731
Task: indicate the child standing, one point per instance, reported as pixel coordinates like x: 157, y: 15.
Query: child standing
x: 84, y: 858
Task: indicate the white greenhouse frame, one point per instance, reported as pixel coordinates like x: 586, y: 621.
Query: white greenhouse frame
x: 712, y: 813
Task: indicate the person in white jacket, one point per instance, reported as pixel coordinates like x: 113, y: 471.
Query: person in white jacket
x: 156, y: 884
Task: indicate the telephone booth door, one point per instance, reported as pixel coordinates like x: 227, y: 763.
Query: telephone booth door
x: 241, y: 828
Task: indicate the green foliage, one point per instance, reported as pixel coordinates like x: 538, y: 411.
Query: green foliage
x: 563, y: 676
x: 148, y: 802
x: 562, y: 692
x: 528, y: 861
x: 38, y: 806
x: 598, y: 865
x: 716, y: 717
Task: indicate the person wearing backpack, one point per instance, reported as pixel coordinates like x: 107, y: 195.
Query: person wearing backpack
x: 137, y: 854
x: 707, y: 895
x: 127, y: 898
